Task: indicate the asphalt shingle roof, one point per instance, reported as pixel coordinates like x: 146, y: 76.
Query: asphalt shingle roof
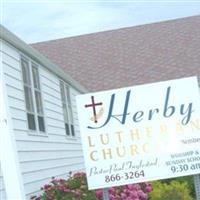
x: 129, y: 56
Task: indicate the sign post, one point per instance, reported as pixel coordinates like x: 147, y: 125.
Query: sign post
x: 141, y: 133
x: 105, y: 194
x: 197, y: 186
x: 8, y: 155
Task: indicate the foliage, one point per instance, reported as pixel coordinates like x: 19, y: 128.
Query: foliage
x: 128, y: 192
x: 75, y: 188
x: 174, y: 190
x: 188, y: 179
x: 190, y: 182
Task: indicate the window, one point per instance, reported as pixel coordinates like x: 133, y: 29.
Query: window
x: 67, y: 109
x: 33, y: 97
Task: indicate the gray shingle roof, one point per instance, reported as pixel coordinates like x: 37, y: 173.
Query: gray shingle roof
x: 129, y: 56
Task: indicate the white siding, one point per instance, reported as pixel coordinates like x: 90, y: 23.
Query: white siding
x: 41, y: 157
x: 2, y: 191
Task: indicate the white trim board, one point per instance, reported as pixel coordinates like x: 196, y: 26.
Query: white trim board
x: 8, y: 154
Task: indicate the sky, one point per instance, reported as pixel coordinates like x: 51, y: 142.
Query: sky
x: 41, y: 20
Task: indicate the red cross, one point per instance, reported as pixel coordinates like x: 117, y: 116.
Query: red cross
x: 93, y: 105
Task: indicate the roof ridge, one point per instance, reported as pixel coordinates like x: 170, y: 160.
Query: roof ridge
x: 117, y: 29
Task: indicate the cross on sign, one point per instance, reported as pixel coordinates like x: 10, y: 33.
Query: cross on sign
x: 93, y: 105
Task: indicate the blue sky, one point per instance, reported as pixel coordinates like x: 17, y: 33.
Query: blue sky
x: 34, y: 20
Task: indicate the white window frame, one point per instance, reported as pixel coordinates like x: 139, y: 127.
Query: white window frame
x: 67, y: 107
x: 35, y: 113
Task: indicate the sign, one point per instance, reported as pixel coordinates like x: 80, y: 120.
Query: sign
x: 141, y: 133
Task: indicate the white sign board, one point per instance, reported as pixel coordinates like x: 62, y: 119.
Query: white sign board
x: 142, y: 133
